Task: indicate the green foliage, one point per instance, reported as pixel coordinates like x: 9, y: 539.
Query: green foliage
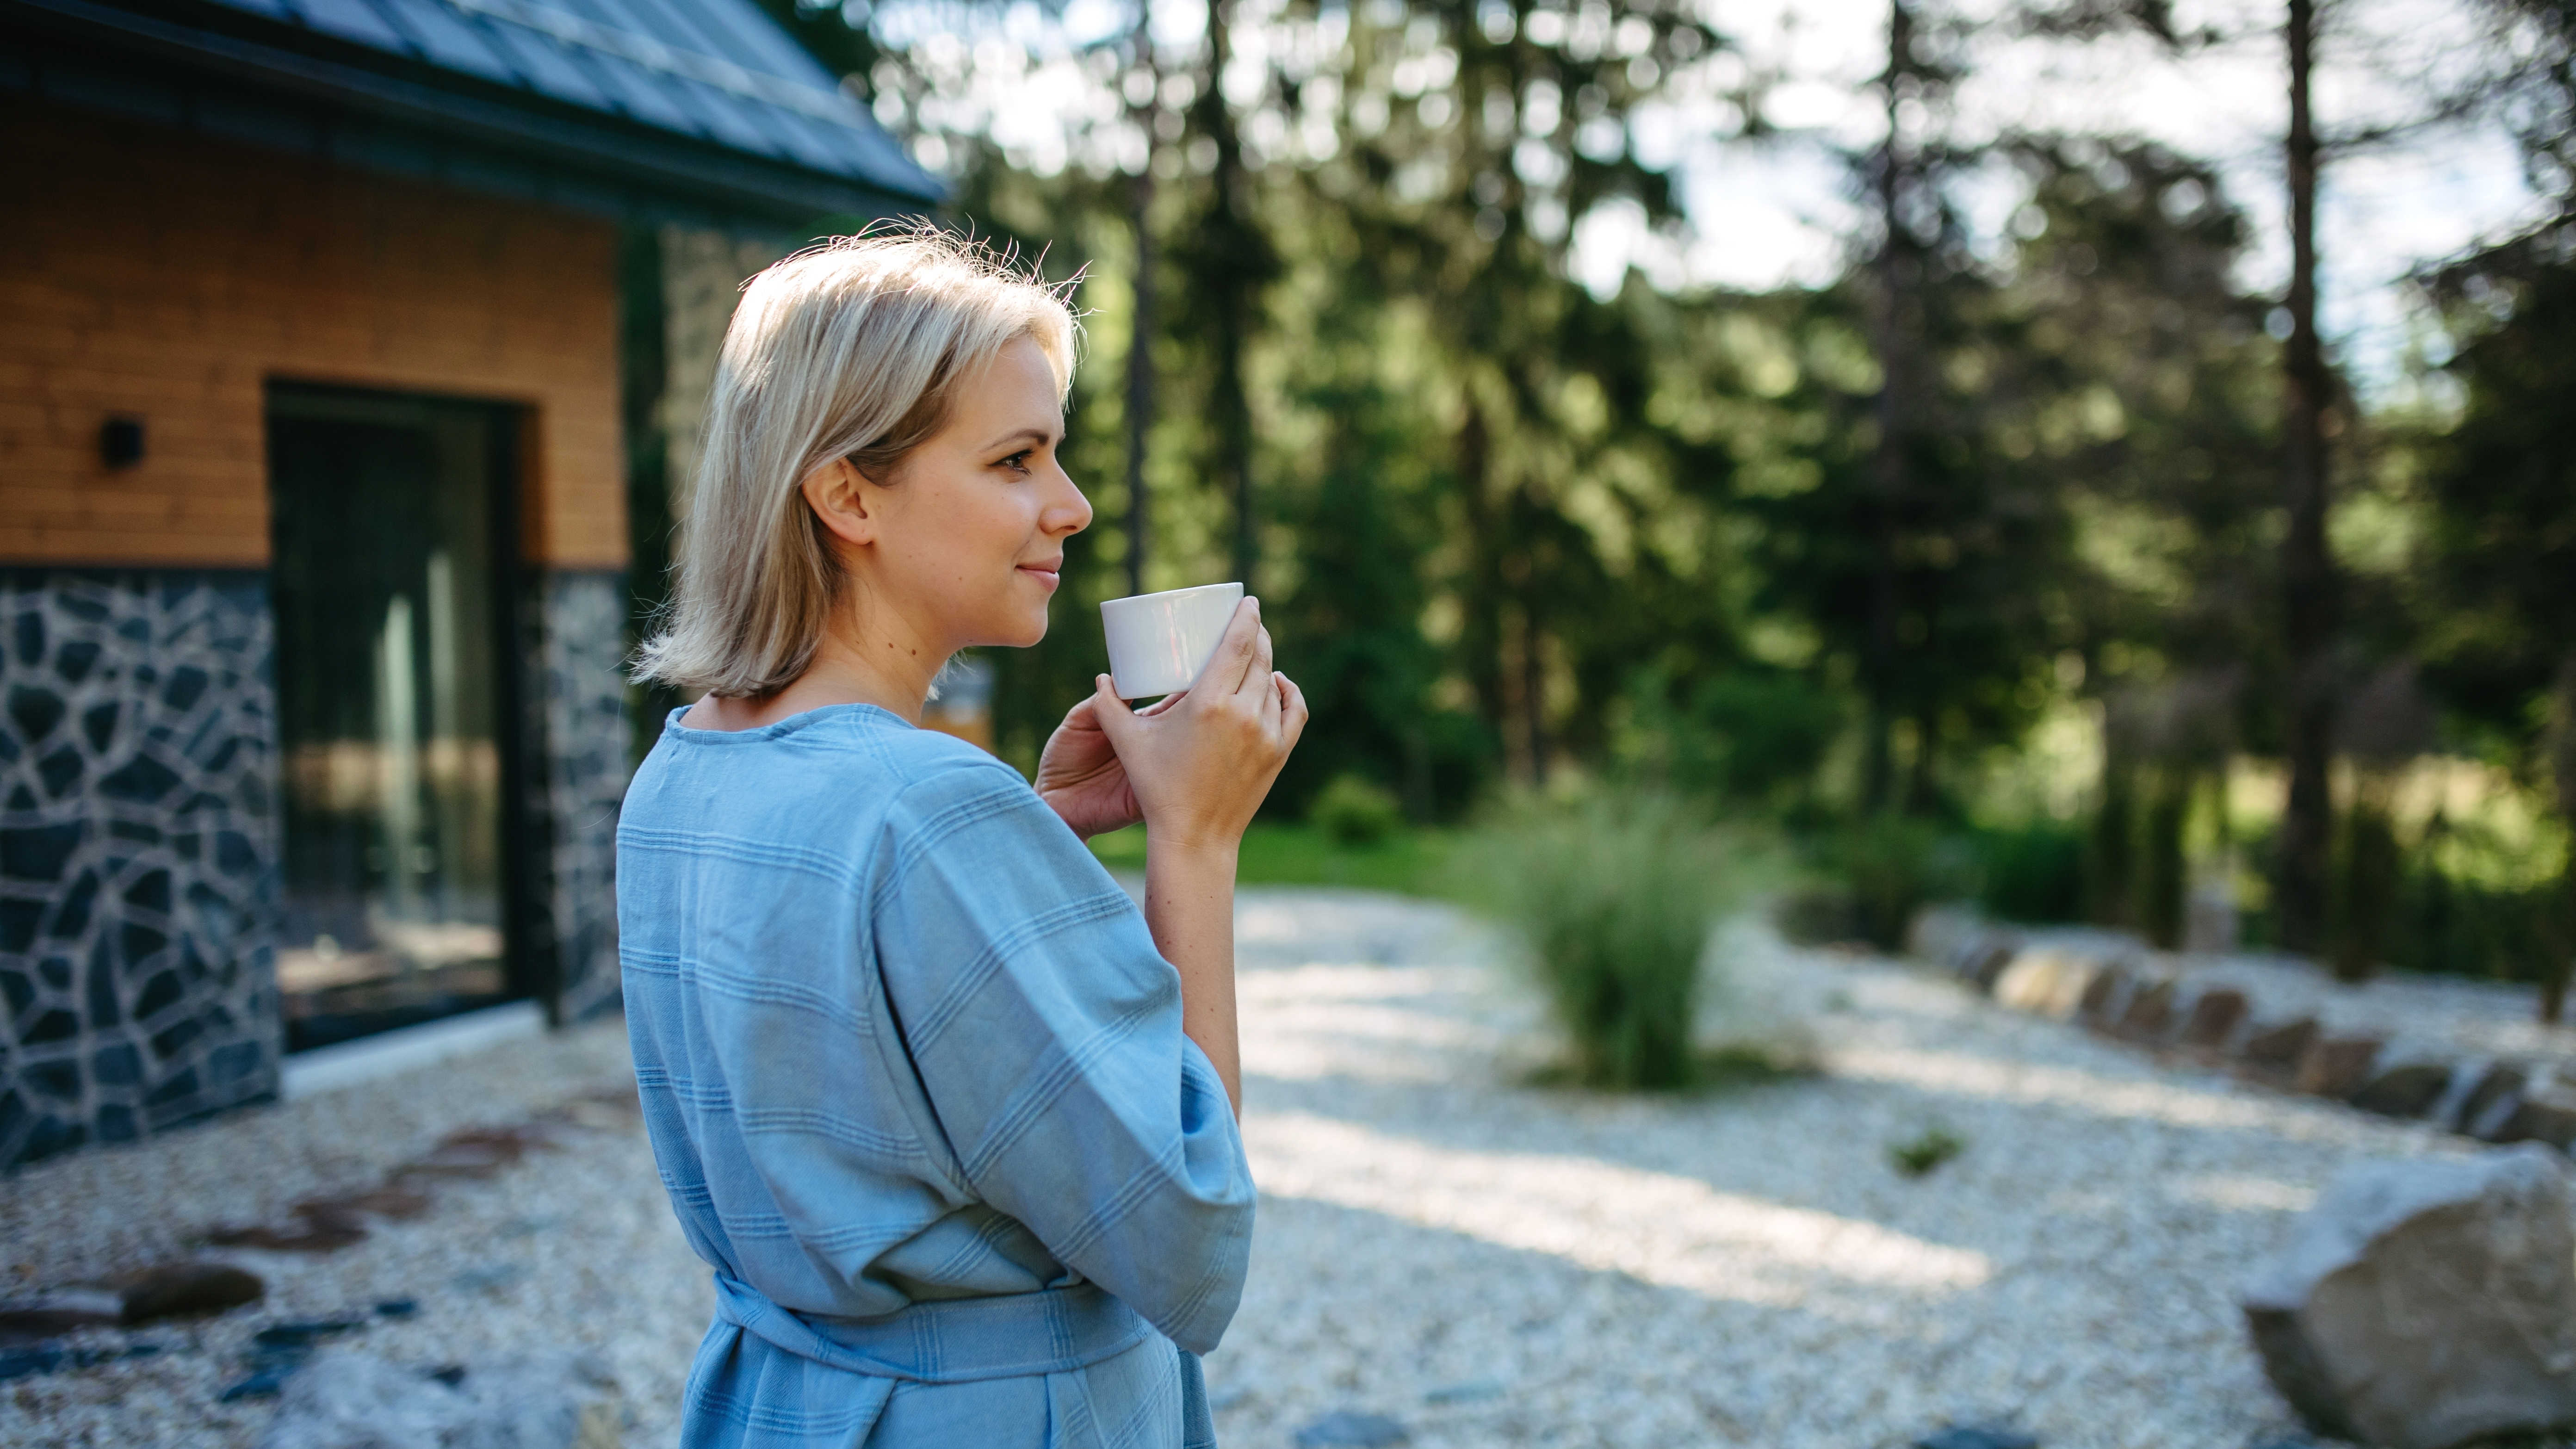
x: 1894, y: 866
x: 2032, y: 872
x: 1748, y: 736
x: 1613, y: 896
x: 1409, y: 862
x: 1918, y: 1155
x: 1352, y: 811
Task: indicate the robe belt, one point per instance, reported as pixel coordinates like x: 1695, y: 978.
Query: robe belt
x: 948, y: 1341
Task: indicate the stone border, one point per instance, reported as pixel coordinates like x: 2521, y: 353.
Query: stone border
x: 2119, y: 990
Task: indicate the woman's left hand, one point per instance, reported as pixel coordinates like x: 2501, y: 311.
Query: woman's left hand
x: 1080, y: 775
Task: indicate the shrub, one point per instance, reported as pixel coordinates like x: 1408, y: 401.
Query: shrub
x: 2032, y: 872
x: 1894, y: 867
x: 1351, y: 811
x: 1613, y: 897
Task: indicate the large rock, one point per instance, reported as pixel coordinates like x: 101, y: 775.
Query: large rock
x: 2214, y: 1018
x: 2404, y: 1089
x: 2049, y: 981
x: 2337, y: 1066
x: 2422, y: 1304
x: 538, y: 1400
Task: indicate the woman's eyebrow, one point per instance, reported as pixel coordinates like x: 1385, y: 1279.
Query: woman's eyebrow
x: 1039, y: 436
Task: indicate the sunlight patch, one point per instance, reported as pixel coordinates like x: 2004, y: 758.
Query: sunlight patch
x: 1676, y: 1232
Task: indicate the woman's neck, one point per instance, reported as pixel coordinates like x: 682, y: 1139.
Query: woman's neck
x: 889, y: 665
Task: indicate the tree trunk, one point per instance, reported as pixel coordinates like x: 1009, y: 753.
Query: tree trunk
x: 2307, y: 571
x: 1230, y: 406
x: 1533, y: 686
x: 1879, y: 661
x: 2560, y: 942
x: 1480, y: 643
x: 1140, y: 334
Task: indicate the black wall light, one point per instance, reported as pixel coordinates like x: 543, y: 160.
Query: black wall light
x: 120, y: 442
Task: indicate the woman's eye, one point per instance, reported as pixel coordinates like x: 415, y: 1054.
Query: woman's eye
x: 1018, y: 462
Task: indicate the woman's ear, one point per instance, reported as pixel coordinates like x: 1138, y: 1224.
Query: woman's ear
x: 837, y: 492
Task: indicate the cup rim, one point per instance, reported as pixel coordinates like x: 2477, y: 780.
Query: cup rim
x: 1170, y: 593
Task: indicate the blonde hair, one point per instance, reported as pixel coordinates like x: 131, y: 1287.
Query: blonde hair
x: 852, y: 349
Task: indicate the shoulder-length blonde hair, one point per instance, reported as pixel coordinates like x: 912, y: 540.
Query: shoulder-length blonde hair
x: 853, y: 350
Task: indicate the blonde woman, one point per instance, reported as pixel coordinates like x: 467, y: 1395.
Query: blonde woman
x: 953, y: 1120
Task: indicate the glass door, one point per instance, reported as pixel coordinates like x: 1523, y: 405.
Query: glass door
x: 390, y: 526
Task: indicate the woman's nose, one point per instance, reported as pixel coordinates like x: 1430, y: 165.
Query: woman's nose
x: 1068, y: 512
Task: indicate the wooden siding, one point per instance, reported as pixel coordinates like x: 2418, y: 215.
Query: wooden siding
x: 152, y: 274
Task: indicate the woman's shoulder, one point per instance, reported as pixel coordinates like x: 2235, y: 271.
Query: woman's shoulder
x: 859, y: 764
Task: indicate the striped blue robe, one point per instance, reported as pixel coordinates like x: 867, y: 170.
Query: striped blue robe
x: 916, y: 1082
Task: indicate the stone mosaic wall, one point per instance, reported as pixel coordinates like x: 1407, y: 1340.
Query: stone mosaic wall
x: 138, y: 853
x: 587, y: 734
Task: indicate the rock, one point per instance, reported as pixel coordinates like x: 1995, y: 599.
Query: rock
x: 1987, y: 963
x: 460, y: 1159
x: 398, y: 1308
x: 1979, y: 1436
x: 2281, y: 1046
x: 171, y: 1290
x: 2101, y: 991
x: 2337, y: 1066
x: 2047, y: 981
x: 298, y: 1337
x: 306, y: 1237
x: 354, y: 1212
x: 1473, y: 1391
x: 64, y: 1310
x: 2407, y: 1089
x: 537, y: 1401
x: 2489, y: 1099
x: 2150, y: 1015
x: 1349, y: 1429
x: 263, y: 1383
x: 2214, y: 1019
x: 2543, y: 1114
x: 2425, y: 1303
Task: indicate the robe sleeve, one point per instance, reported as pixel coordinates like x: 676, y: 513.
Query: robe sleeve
x: 1046, y: 1031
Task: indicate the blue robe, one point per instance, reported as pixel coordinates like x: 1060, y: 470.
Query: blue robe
x: 916, y: 1082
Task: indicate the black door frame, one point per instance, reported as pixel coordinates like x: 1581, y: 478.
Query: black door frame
x: 530, y: 966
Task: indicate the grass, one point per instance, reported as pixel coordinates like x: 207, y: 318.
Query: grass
x: 1918, y: 1156
x: 1408, y: 862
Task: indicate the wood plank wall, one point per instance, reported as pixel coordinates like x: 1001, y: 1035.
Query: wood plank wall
x: 151, y: 274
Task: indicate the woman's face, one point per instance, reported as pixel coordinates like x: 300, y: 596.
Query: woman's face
x: 970, y: 531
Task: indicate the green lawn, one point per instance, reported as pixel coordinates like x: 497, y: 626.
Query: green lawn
x: 1409, y: 862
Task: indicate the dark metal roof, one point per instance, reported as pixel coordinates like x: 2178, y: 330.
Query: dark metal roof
x: 719, y: 70
x: 701, y: 98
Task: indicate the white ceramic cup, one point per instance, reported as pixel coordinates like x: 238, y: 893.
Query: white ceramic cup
x: 1158, y: 643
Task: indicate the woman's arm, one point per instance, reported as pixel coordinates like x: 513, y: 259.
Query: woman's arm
x: 1199, y: 769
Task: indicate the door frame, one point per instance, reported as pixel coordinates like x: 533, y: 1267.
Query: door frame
x: 531, y: 970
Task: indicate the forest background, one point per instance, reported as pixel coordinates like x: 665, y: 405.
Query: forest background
x: 2031, y: 547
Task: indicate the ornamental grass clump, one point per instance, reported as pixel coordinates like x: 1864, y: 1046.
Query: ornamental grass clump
x: 1612, y: 896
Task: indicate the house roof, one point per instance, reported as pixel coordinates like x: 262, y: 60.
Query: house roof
x: 704, y: 97
x: 719, y: 70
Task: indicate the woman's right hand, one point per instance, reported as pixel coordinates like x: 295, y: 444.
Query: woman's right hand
x: 1200, y: 764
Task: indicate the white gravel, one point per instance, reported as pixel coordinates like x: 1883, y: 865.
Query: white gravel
x: 1485, y: 1261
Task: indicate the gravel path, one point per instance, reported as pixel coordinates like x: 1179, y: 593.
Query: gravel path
x: 1484, y: 1261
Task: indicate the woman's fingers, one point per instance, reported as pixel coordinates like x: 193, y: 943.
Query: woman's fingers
x: 1238, y: 649
x: 1293, y: 711
x: 1109, y: 712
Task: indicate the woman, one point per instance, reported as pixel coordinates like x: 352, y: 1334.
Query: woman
x: 952, y: 1119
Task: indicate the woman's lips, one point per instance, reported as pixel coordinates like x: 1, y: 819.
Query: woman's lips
x: 1048, y: 576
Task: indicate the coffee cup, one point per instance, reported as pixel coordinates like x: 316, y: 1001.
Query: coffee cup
x: 1158, y: 643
